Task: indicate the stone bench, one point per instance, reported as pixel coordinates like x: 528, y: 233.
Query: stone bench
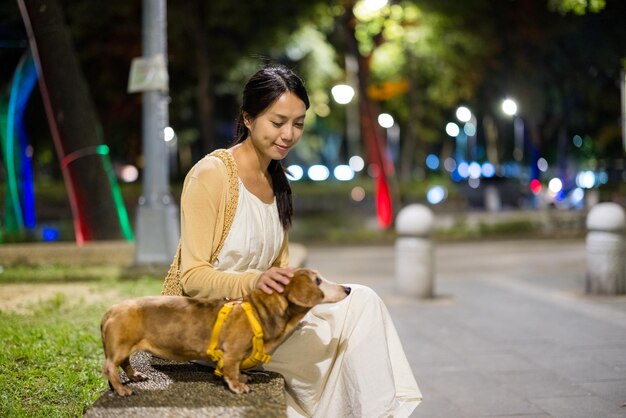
x: 190, y: 390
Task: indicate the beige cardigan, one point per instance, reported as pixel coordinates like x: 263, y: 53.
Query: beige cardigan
x: 203, y: 206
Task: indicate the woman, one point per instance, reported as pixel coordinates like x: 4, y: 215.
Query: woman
x: 344, y: 359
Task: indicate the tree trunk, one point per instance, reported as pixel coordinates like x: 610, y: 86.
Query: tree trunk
x: 371, y: 132
x: 206, y: 98
x: 411, y: 140
x: 94, y: 197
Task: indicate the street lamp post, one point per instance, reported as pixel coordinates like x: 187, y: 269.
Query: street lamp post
x: 343, y: 95
x: 353, y: 127
x: 386, y: 121
x: 468, y: 135
x: 157, y: 215
x: 622, y: 85
x: 509, y: 107
x: 453, y: 130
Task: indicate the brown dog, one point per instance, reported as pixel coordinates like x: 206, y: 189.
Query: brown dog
x: 179, y: 328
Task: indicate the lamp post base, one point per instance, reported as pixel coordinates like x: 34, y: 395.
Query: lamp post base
x: 157, y: 233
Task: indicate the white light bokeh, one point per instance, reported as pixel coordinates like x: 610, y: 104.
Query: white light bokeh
x: 343, y: 173
x: 385, y: 120
x: 463, y: 114
x: 488, y: 170
x: 586, y: 179
x: 463, y: 169
x: 168, y: 133
x: 555, y: 185
x: 474, y: 170
x: 368, y: 9
x: 295, y: 172
x: 356, y: 163
x: 318, y: 172
x: 129, y: 173
x: 342, y: 93
x: 452, y: 129
x: 436, y: 194
x: 509, y: 107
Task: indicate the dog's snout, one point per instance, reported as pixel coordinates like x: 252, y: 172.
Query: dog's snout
x: 347, y: 290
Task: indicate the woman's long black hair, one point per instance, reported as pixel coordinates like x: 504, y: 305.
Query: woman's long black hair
x: 259, y: 93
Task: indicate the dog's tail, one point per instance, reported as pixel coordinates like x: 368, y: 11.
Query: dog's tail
x: 103, y: 322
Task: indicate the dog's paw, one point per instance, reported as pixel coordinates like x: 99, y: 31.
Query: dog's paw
x: 237, y: 387
x: 123, y: 391
x: 137, y: 377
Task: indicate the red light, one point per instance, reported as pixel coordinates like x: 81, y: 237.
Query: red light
x: 383, y: 202
x: 535, y: 186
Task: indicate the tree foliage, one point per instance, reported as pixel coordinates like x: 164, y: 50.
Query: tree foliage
x: 563, y: 70
x: 561, y: 65
x: 565, y: 83
x: 579, y: 7
x: 212, y: 47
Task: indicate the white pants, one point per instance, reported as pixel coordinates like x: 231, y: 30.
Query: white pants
x: 345, y: 360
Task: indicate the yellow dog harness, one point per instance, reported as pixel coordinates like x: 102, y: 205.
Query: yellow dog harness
x: 258, y: 353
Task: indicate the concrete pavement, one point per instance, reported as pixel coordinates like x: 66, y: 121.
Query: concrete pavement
x: 510, y: 333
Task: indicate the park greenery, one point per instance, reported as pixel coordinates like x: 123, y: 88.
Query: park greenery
x: 418, y: 60
x: 560, y: 58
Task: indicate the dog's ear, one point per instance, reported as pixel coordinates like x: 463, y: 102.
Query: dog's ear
x: 303, y: 292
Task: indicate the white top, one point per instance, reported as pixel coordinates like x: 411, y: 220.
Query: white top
x: 344, y: 359
x: 255, y: 237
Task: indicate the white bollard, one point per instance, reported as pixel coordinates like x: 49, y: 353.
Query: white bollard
x: 606, y: 252
x: 493, y: 202
x: 415, y: 271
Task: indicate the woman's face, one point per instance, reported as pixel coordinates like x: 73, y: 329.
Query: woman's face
x: 275, y: 131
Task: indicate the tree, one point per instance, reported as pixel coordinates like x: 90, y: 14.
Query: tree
x: 208, y: 40
x: 579, y: 7
x: 446, y: 52
x: 563, y: 71
x: 425, y: 58
x: 84, y: 159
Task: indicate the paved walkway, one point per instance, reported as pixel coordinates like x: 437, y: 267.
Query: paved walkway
x: 510, y: 332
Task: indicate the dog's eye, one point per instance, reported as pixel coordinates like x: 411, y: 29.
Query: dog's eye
x: 318, y: 281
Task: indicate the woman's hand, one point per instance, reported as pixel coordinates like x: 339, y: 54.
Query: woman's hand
x: 274, y: 279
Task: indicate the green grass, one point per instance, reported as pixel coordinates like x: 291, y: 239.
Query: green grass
x: 338, y: 228
x: 505, y: 229
x: 58, y: 273
x: 51, y: 357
